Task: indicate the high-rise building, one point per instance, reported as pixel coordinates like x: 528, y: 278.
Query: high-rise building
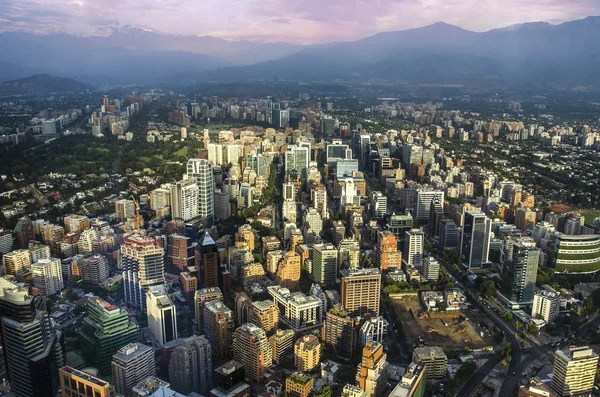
x: 251, y: 348
x: 475, y: 239
x: 372, y: 372
x: 185, y: 196
x: 574, y: 371
x: 125, y: 209
x: 222, y: 206
x: 325, y: 264
x: 423, y: 202
x: 47, y: 276
x: 282, y: 345
x: 378, y: 204
x: 207, y: 262
x: 24, y: 232
x: 160, y: 198
x: 436, y: 215
x: 431, y: 268
x: 228, y: 374
x: 218, y: 328
x: 131, y: 364
x: 201, y: 171
x: 435, y: 360
x: 387, y: 255
x: 6, y: 241
x: 521, y: 274
x: 95, y: 269
x: 360, y: 291
x: 76, y: 223
x: 180, y: 253
x: 373, y: 330
x: 296, y: 159
x: 15, y: 261
x: 299, y: 312
x: 106, y: 329
x: 200, y: 298
x: 32, y: 351
x: 525, y: 219
x: 546, y: 303
x: 414, y: 244
x: 319, y: 200
x: 340, y: 331
x: 288, y: 271
x: 576, y: 254
x: 307, y: 353
x: 299, y: 384
x: 76, y: 383
x: 265, y: 315
x: 142, y: 261
x: 190, y: 367
x: 349, y: 253
x: 313, y: 221
x: 162, y: 314
x: 245, y: 233
x: 449, y: 234
x: 412, y: 383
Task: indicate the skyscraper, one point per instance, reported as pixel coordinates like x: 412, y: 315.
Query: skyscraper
x: 340, y: 331
x: 436, y: 215
x: 378, y: 204
x: 185, y: 196
x: 218, y: 328
x: 32, y: 351
x: 519, y: 283
x: 296, y: 158
x: 574, y: 371
x: 207, y: 262
x: 162, y: 314
x: 372, y: 372
x: 106, y: 329
x: 125, y: 209
x: 131, y: 364
x: 200, y: 298
x: 325, y: 264
x: 360, y: 291
x: 251, y: 348
x: 288, y: 271
x: 190, y: 367
x: 414, y: 243
x: 180, y: 253
x: 142, y: 261
x: 47, y: 276
x: 387, y: 255
x: 475, y: 239
x: 264, y: 314
x: 201, y: 171
x: 424, y: 200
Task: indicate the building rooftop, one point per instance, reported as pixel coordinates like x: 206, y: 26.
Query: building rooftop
x: 360, y: 272
x: 233, y: 391
x: 84, y: 375
x: 131, y: 351
x: 228, y: 368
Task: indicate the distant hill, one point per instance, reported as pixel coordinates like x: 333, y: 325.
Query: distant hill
x: 42, y: 84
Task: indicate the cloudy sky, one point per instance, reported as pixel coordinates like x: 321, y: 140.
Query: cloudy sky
x: 297, y: 21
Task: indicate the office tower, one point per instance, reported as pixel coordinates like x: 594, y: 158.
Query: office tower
x: 546, y: 304
x: 378, y: 204
x: 350, y: 390
x: 387, y: 255
x: 95, y: 269
x: 521, y: 274
x: 414, y: 243
x: 349, y: 193
x: 313, y: 221
x: 299, y: 384
x: 525, y: 219
x: 436, y: 215
x: 339, y: 231
x: 6, y: 241
x: 189, y: 286
x: 340, y: 331
x: 252, y: 349
x: 47, y: 276
x: 218, y: 327
x: 319, y: 200
x: 360, y: 291
x: 576, y: 254
x: 282, y: 345
x: 299, y: 312
x: 76, y: 383
x: 15, y: 261
x: 24, y: 232
x: 180, y: 253
x: 222, y: 206
x: 372, y: 372
x: 32, y: 350
x: 435, y: 360
x: 207, y: 262
x: 185, y: 198
x: 160, y: 198
x: 449, y: 234
x: 265, y: 316
x: 574, y: 371
x: 162, y: 315
x: 228, y: 375
x: 325, y: 264
x: 131, y: 364
x: 201, y: 171
x: 349, y: 253
x: 245, y: 233
x: 398, y: 225
x: 573, y: 225
x: 125, y: 209
x: 431, y: 268
x: 475, y: 239
x: 412, y: 383
x: 307, y: 353
x: 76, y: 223
x: 104, y: 331
x: 423, y: 202
x: 201, y: 297
x: 142, y: 261
x: 288, y: 271
x: 190, y: 366
x: 296, y: 159
x: 373, y: 330
x: 105, y: 102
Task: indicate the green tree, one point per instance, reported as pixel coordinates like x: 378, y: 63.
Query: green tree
x: 324, y: 391
x: 509, y: 316
x: 532, y: 328
x: 488, y: 289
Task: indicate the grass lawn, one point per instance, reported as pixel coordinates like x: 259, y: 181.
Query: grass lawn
x: 182, y: 152
x: 590, y: 216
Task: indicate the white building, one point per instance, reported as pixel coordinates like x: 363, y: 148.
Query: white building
x: 201, y: 171
x: 378, y: 204
x: 431, y: 268
x: 413, y: 248
x: 373, y: 330
x: 423, y: 202
x: 546, y: 304
x: 299, y: 312
x: 162, y: 315
x: 47, y: 276
x: 185, y: 197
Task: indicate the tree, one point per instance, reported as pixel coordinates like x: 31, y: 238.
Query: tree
x: 488, y: 289
x: 506, y: 351
x: 324, y: 391
x: 509, y: 316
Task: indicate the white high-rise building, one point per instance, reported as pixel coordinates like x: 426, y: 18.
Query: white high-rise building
x: 215, y: 154
x: 378, y: 204
x: 47, y: 276
x: 313, y: 221
x: 296, y: 158
x: 414, y: 243
x: 423, y: 202
x: 162, y: 315
x: 184, y: 200
x: 546, y: 304
x: 349, y: 195
x: 201, y: 171
x: 373, y: 330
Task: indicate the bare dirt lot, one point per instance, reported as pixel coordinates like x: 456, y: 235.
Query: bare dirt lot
x: 447, y: 330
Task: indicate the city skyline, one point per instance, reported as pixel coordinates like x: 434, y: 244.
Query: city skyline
x: 304, y: 23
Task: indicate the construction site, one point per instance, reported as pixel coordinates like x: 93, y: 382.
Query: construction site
x: 451, y: 329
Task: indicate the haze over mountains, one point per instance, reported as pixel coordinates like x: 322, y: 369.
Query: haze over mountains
x: 535, y: 55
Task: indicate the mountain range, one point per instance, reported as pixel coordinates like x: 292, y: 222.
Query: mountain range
x: 42, y: 84
x: 537, y: 56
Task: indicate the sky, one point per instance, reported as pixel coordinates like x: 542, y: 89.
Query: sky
x: 293, y: 21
